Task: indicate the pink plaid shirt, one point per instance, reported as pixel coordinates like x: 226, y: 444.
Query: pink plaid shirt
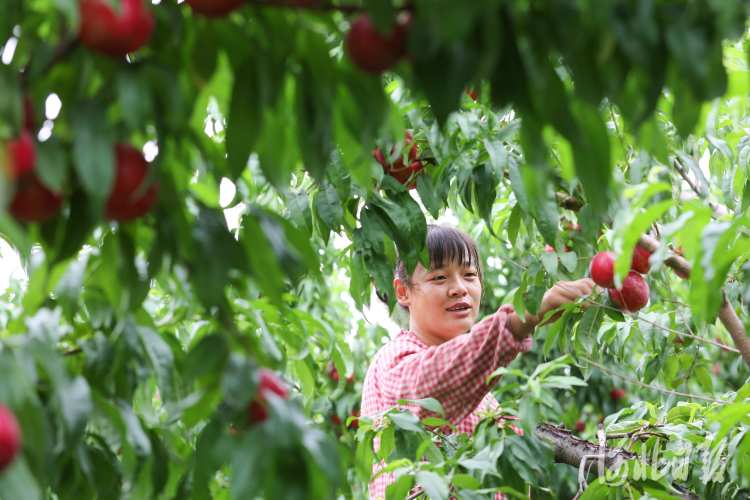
x: 454, y: 373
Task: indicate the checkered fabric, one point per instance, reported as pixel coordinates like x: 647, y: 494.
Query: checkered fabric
x: 454, y: 373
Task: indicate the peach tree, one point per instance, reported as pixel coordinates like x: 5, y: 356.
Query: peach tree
x: 205, y: 195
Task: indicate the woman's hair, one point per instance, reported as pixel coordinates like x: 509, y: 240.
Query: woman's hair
x: 445, y: 245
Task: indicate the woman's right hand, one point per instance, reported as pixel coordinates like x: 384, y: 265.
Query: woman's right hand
x: 562, y: 293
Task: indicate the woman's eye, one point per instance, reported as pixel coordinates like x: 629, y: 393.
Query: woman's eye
x: 471, y: 274
x: 438, y: 278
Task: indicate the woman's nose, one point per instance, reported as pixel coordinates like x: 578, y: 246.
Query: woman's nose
x: 458, y: 289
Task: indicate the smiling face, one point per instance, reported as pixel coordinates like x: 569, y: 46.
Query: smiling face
x: 443, y: 302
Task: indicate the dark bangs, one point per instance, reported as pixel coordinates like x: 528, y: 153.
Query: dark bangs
x: 445, y: 245
x: 448, y: 245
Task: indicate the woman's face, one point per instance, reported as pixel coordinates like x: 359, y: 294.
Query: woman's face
x: 443, y: 303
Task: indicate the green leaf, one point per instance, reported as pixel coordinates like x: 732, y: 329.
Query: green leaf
x: 382, y: 14
x: 589, y: 224
x: 93, y: 154
x: 431, y: 404
x: 549, y: 260
x: 51, y: 165
x: 134, y: 94
x: 212, y: 237
x: 162, y: 359
x: 250, y: 463
x: 557, y: 327
x: 433, y: 485
x: 592, y: 155
x: 569, y: 261
x: 588, y: 328
x: 498, y: 155
x: 69, y: 287
x: 328, y: 206
x: 245, y: 122
x: 364, y: 457
x: 400, y: 488
x: 514, y: 223
x: 299, y: 209
x: 18, y: 482
x: 516, y: 183
x: 704, y: 377
x: 632, y: 235
x: 426, y: 194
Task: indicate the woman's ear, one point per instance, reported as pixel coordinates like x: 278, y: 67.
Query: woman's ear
x: 402, y: 292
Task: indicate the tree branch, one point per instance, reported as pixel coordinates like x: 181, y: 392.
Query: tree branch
x: 638, y: 382
x: 568, y: 202
x: 736, y: 329
x: 569, y: 449
x: 726, y: 314
x: 714, y: 206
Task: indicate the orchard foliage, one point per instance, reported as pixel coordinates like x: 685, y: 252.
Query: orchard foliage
x: 130, y: 355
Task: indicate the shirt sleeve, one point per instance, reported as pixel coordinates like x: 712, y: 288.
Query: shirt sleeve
x: 455, y: 372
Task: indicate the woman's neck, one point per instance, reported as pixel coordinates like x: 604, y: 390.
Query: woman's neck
x: 429, y: 339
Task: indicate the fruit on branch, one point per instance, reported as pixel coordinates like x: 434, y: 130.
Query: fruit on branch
x: 602, y: 269
x: 549, y: 249
x: 570, y: 226
x: 715, y: 369
x: 634, y: 293
x: 128, y: 200
x: 21, y: 155
x: 372, y: 51
x: 473, y: 94
x: 270, y: 383
x: 115, y: 33
x: 335, y: 419
x: 679, y: 340
x: 399, y: 163
x: 34, y: 202
x: 410, y: 172
x: 580, y: 425
x: 397, y: 169
x: 214, y: 8
x: 681, y: 275
x: 10, y: 437
x: 355, y: 423
x: 333, y: 373
x: 640, y: 260
x: 616, y: 393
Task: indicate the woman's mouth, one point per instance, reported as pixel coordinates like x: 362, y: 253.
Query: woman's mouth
x: 460, y: 310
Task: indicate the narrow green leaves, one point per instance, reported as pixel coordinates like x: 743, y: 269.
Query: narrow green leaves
x: 93, y: 154
x: 592, y: 155
x: 245, y: 116
x: 588, y: 328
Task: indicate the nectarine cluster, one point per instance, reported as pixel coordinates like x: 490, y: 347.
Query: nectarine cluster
x: 634, y: 294
x: 33, y: 201
x: 405, y: 174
